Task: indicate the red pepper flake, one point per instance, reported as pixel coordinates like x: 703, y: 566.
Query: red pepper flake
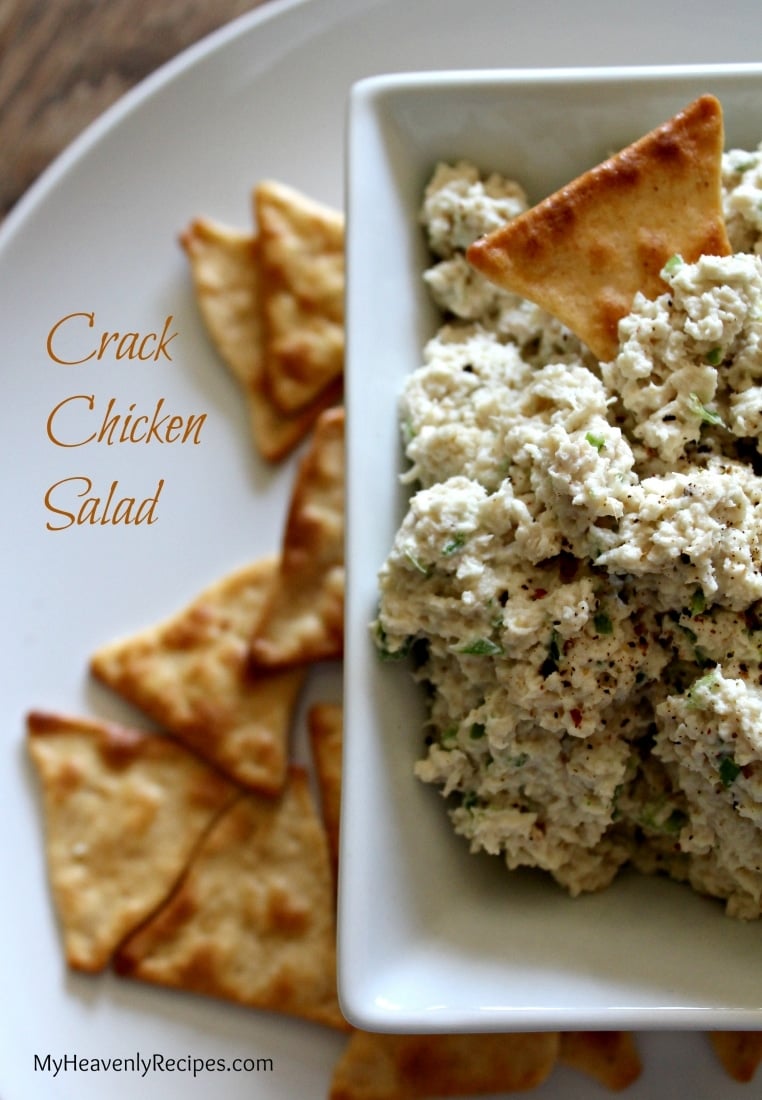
x: 539, y: 594
x: 576, y: 717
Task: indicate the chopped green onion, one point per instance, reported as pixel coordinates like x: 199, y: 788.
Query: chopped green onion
x: 417, y: 564
x: 714, y: 357
x: 603, y: 623
x: 520, y: 760
x: 673, y: 264
x: 701, y: 657
x: 709, y: 416
x: 449, y: 735
x: 704, y: 683
x: 698, y: 602
x: 455, y: 544
x: 478, y: 730
x: 652, y: 817
x: 387, y: 654
x: 481, y: 647
x: 597, y: 441
x: 729, y: 770
x: 743, y: 165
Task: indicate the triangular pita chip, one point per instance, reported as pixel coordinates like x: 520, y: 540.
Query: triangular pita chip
x: 191, y: 674
x: 302, y: 269
x: 324, y: 726
x: 303, y: 618
x: 610, y: 1057
x: 405, y: 1067
x: 253, y: 918
x: 224, y: 265
x: 583, y: 252
x: 124, y: 810
x: 740, y: 1052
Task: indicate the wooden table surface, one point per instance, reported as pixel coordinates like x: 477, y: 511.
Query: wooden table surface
x: 63, y: 62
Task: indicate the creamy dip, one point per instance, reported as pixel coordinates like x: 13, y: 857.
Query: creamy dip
x: 579, y: 572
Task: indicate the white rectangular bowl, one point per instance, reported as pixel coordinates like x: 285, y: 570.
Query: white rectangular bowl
x: 430, y: 937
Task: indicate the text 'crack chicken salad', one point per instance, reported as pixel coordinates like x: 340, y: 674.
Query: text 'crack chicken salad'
x: 579, y: 572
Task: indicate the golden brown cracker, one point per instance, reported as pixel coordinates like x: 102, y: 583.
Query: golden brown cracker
x: 404, y: 1067
x: 123, y: 811
x: 303, y: 618
x: 302, y: 284
x: 584, y: 252
x: 739, y: 1052
x: 325, y: 730
x: 224, y: 265
x: 224, y: 268
x: 611, y: 1057
x: 191, y: 674
x: 252, y: 920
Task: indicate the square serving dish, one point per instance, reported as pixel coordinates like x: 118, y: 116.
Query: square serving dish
x: 432, y: 938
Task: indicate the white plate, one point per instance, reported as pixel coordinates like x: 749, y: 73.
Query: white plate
x: 458, y: 943
x: 265, y: 96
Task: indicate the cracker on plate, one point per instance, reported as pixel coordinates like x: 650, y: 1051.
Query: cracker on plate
x: 611, y: 1057
x: 252, y: 920
x: 324, y: 727
x: 584, y: 252
x: 123, y: 812
x: 739, y: 1052
x: 224, y: 266
x: 191, y: 674
x: 404, y: 1067
x: 302, y: 284
x: 303, y: 618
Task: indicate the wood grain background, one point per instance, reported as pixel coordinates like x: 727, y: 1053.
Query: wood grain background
x: 63, y: 62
